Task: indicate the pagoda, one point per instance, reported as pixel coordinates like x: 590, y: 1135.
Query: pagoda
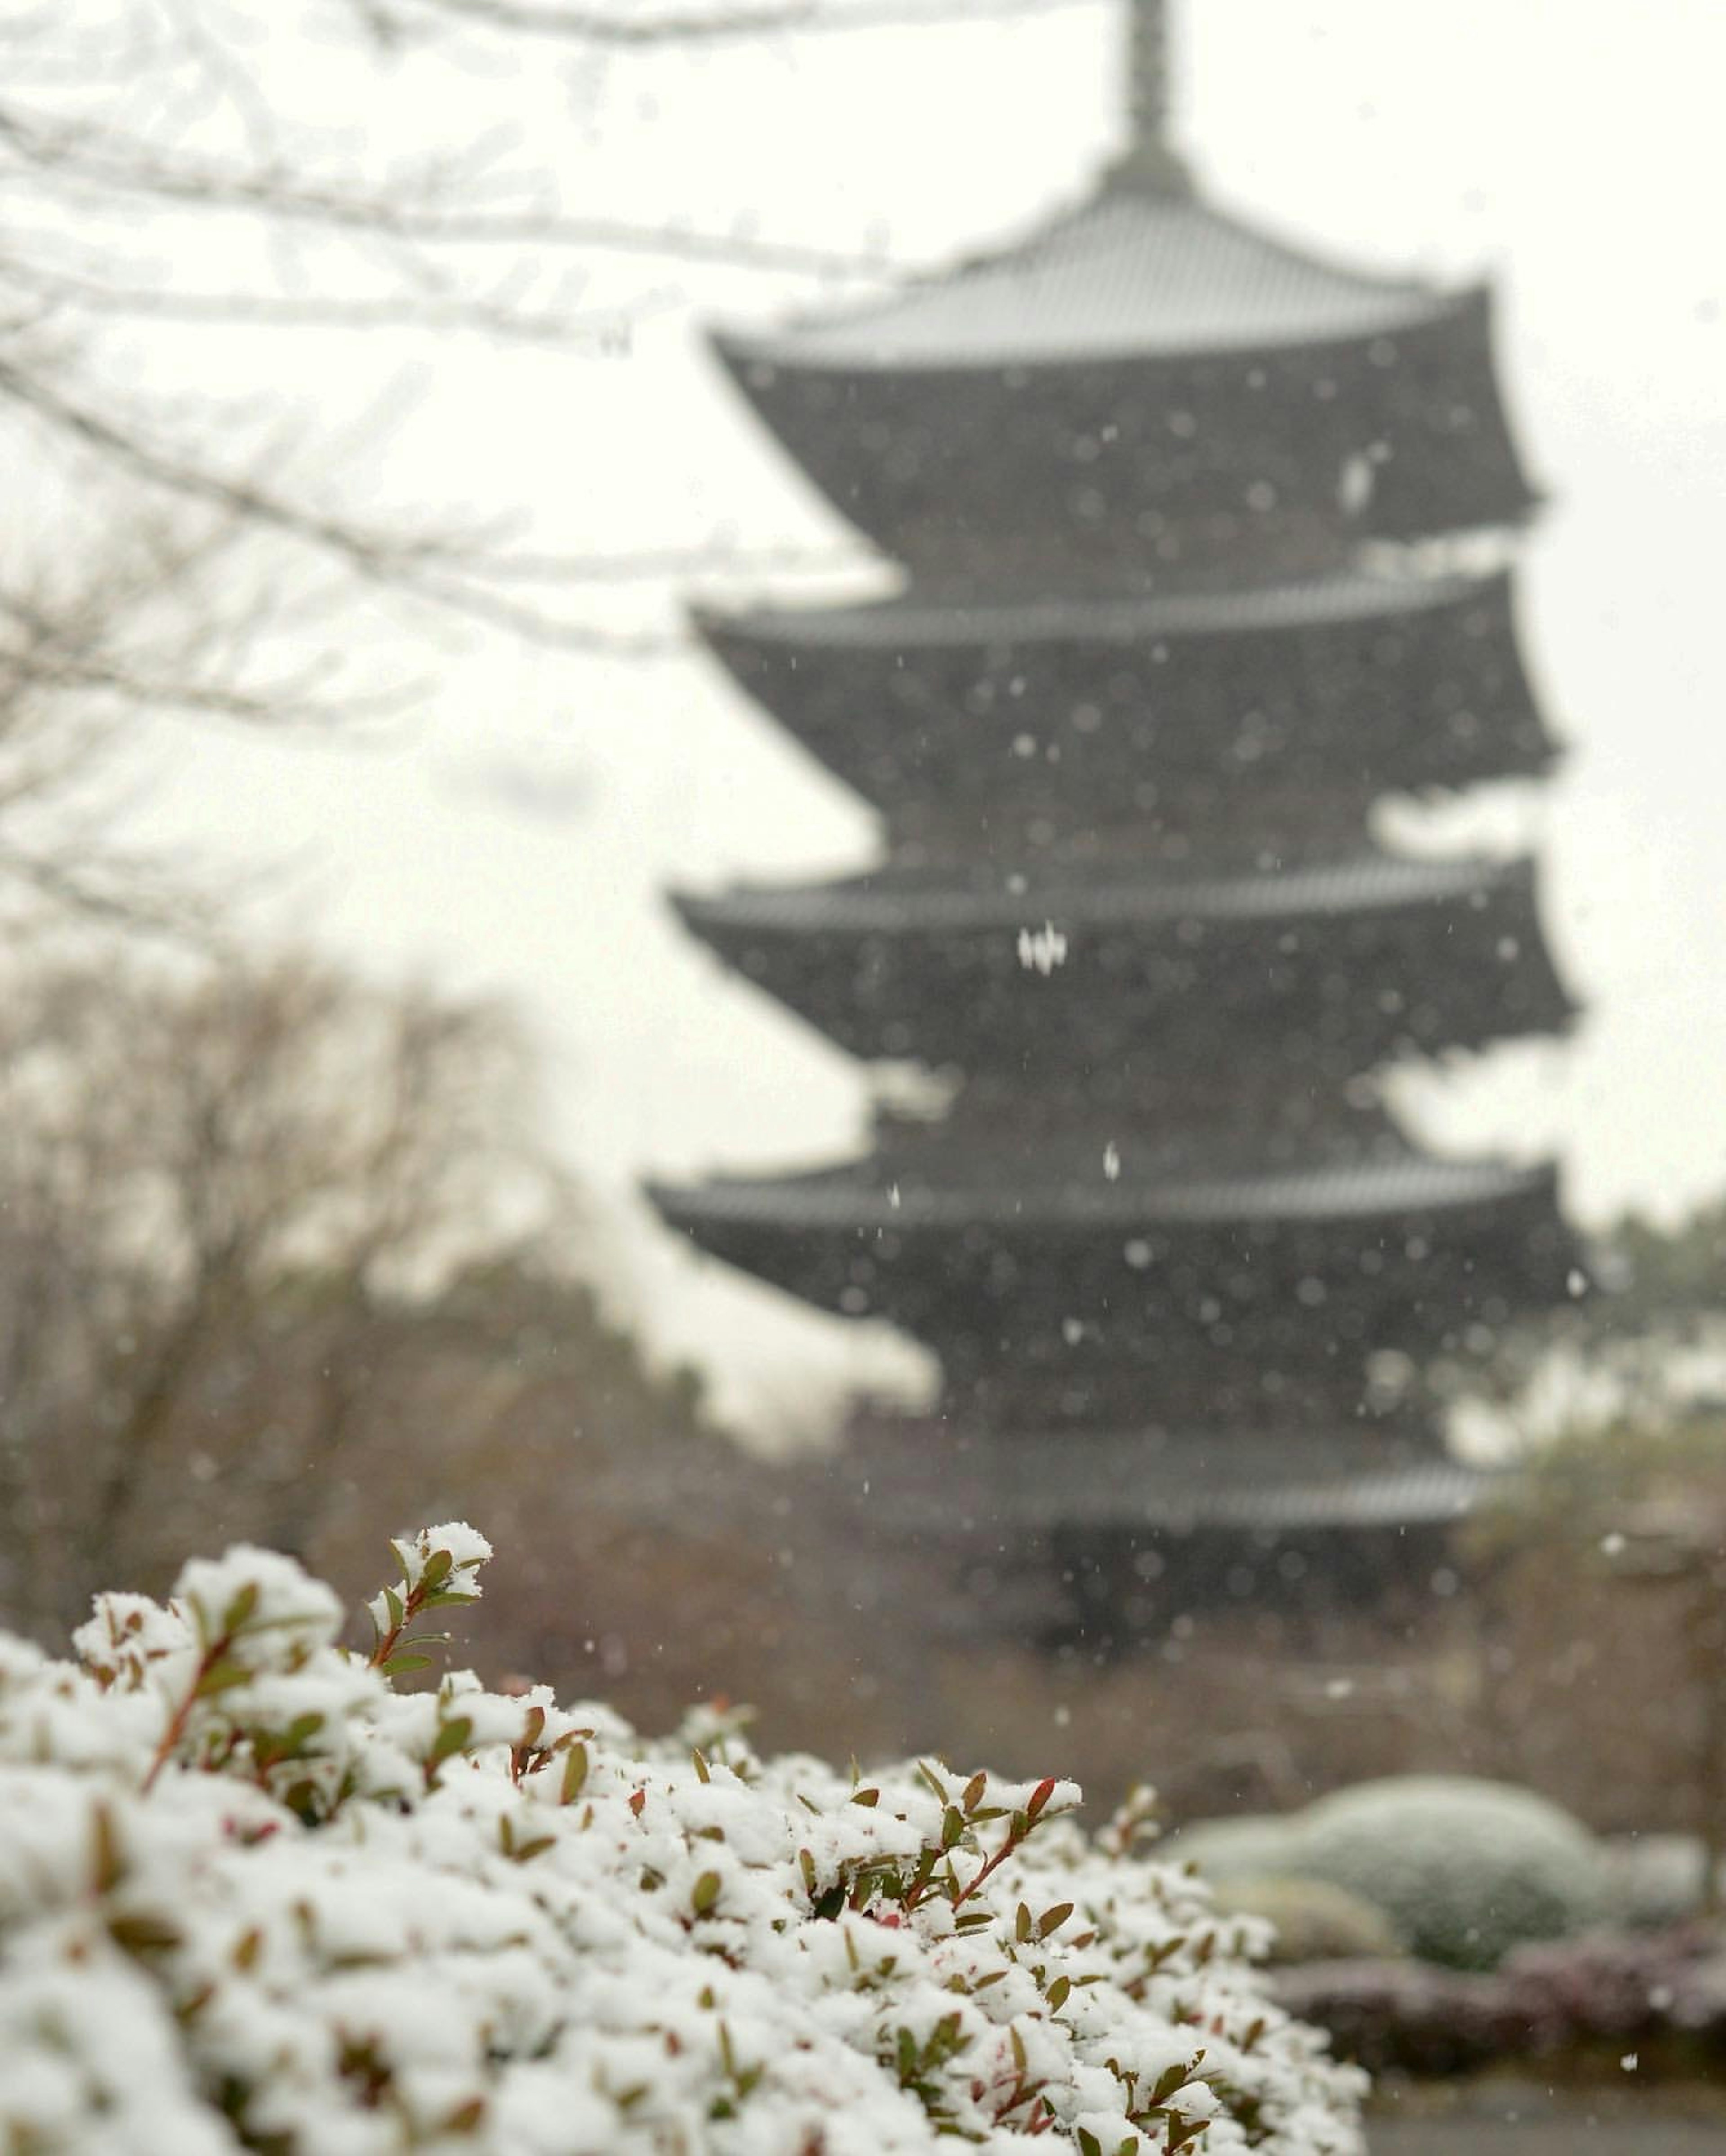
x: 1204, y: 550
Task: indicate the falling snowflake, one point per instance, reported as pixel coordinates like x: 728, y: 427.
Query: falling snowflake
x: 1042, y: 949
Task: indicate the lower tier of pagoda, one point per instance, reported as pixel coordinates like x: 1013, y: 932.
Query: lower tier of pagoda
x: 1155, y: 1481
x: 1075, y: 1300
x: 1328, y: 969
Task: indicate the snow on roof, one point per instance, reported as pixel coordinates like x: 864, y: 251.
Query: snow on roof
x: 913, y: 619
x: 904, y: 902
x: 1150, y: 1479
x: 943, y: 1195
x: 1130, y: 274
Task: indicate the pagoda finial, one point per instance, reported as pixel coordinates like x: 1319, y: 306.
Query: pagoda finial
x: 1149, y: 160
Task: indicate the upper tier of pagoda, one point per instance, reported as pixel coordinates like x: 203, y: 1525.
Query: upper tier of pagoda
x: 1073, y: 714
x: 1146, y: 392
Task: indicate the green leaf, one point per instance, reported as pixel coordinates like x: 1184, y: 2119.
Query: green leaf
x: 1051, y: 1920
x: 973, y: 1793
x: 1089, y: 2145
x: 932, y: 1781
x: 404, y: 1664
x: 142, y: 1933
x: 239, y: 1612
x: 867, y: 1798
x: 452, y: 1736
x: 1058, y: 1993
x: 108, y: 1864
x: 439, y: 1566
x: 706, y: 1894
x: 222, y: 1676
x: 575, y: 1774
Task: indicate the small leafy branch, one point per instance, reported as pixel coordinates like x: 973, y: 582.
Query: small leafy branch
x: 433, y: 1578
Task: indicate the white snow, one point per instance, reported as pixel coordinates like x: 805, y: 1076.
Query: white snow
x: 249, y: 1889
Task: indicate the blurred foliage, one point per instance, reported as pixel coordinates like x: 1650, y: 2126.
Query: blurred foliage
x: 1314, y: 1921
x: 269, y: 1237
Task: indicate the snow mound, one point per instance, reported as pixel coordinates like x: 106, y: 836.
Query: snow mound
x: 1465, y: 1869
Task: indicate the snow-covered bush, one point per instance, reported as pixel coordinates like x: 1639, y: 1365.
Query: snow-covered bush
x: 1465, y: 1869
x: 1310, y: 1919
x: 253, y: 1897
x: 1249, y: 1845
x: 1655, y: 1879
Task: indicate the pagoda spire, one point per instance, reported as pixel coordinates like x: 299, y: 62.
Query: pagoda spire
x: 1149, y: 162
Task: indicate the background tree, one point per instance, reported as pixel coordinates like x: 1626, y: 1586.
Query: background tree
x: 203, y: 194
x: 257, y: 1223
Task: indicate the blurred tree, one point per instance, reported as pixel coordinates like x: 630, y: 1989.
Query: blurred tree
x: 244, y: 1212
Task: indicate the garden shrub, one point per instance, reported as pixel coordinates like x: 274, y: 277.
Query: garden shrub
x: 1310, y: 1919
x: 1250, y: 1846
x: 1655, y: 1879
x: 254, y: 1895
x: 1465, y: 1869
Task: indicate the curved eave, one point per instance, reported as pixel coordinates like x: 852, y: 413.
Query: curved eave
x: 1131, y: 1482
x: 853, y: 1204
x: 882, y: 906
x: 764, y: 362
x: 914, y: 621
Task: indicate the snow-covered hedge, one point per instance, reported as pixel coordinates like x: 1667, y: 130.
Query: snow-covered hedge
x: 254, y: 1896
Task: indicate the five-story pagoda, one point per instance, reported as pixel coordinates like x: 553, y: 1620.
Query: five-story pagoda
x: 1203, y: 548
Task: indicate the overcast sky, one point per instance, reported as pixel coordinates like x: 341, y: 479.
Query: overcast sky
x: 516, y: 837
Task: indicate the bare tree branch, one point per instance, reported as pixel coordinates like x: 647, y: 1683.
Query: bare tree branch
x: 704, y: 27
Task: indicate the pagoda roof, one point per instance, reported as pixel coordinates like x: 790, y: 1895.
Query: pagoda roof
x: 1180, y: 1483
x: 911, y: 619
x: 899, y: 901
x: 1130, y: 274
x: 859, y: 1198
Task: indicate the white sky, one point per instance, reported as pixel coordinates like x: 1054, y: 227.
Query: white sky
x: 515, y: 838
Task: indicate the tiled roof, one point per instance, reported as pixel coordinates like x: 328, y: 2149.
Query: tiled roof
x: 1129, y: 273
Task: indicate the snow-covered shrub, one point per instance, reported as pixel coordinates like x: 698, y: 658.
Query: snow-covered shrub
x: 1249, y: 1845
x: 1465, y: 1869
x: 1655, y: 1879
x: 253, y: 1897
x: 1310, y: 1919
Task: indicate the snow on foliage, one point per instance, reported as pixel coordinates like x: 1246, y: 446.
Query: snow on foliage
x: 1465, y: 1870
x: 254, y: 1896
